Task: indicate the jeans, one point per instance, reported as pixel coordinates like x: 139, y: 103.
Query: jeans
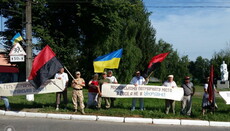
x: 6, y: 102
x: 92, y: 99
x: 141, y: 103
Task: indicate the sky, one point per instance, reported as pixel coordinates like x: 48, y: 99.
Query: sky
x: 194, y: 27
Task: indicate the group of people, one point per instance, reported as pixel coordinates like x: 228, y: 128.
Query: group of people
x: 189, y: 91
x: 95, y: 93
x: 186, y: 104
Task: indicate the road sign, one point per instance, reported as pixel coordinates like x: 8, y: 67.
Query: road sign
x: 17, y: 58
x: 17, y: 50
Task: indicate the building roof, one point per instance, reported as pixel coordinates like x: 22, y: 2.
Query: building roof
x: 2, y: 50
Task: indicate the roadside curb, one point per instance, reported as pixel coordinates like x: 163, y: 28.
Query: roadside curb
x: 117, y: 119
x: 139, y: 120
x: 167, y: 121
x: 195, y: 122
x: 110, y: 119
x: 84, y: 117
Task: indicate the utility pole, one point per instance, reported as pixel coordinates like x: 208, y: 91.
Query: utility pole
x: 29, y: 43
x: 28, y: 37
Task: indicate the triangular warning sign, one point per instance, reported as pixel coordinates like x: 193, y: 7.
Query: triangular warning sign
x: 17, y: 50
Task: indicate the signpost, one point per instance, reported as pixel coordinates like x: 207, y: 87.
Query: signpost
x: 17, y: 54
x: 17, y: 58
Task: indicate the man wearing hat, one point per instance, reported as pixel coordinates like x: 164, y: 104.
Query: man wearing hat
x: 189, y: 90
x: 138, y: 80
x: 78, y: 83
x: 170, y: 103
x: 102, y: 81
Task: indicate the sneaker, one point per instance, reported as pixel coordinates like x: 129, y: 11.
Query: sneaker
x: 133, y: 109
x: 57, y: 109
x: 75, y: 111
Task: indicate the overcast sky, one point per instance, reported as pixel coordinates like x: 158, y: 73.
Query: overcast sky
x: 194, y: 27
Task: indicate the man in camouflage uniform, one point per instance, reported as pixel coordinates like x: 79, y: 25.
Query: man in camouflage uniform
x: 78, y: 85
x: 102, y: 81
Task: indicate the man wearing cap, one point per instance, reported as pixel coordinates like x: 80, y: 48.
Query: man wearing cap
x: 78, y: 83
x: 64, y: 77
x: 170, y: 103
x: 102, y: 81
x: 189, y: 90
x: 138, y: 80
x: 113, y: 80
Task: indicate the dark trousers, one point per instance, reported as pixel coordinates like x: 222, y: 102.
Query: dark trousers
x: 112, y: 101
x: 64, y: 95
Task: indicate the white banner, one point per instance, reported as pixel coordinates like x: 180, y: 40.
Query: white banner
x: 24, y: 88
x: 226, y: 96
x: 141, y: 91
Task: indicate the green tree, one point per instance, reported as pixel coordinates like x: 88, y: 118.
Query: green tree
x: 200, y: 69
x: 78, y: 32
x: 173, y: 64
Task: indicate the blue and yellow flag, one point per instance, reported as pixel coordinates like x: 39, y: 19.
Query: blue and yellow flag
x: 110, y: 61
x: 16, y: 38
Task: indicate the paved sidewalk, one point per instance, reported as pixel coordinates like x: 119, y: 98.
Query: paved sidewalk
x: 116, y: 119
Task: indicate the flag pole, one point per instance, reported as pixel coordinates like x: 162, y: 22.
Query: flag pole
x: 69, y: 72
x: 214, y: 99
x: 150, y: 74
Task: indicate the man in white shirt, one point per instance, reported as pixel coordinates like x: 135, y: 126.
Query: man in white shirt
x: 113, y: 80
x: 170, y: 103
x: 138, y: 80
x: 64, y: 77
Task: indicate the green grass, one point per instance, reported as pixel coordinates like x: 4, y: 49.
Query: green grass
x: 154, y: 107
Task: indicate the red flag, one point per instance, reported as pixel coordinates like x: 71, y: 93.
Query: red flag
x: 44, y: 67
x: 210, y: 85
x: 157, y: 58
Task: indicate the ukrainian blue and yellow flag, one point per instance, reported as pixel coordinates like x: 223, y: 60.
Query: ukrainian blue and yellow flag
x: 110, y: 61
x: 17, y: 38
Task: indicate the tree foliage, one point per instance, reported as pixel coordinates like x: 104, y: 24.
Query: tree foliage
x: 173, y: 64
x: 78, y: 32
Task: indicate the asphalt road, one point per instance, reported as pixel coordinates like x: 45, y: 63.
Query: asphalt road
x: 8, y: 123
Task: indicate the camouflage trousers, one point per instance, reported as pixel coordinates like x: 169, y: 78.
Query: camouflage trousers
x: 99, y: 100
x: 77, y: 96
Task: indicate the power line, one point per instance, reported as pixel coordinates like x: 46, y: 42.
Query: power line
x: 184, y: 6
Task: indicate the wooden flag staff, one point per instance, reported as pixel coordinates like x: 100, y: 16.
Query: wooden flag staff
x: 69, y: 72
x: 150, y: 75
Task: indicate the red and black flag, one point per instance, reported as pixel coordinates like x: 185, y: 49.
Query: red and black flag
x: 211, y: 89
x: 156, y: 59
x: 44, y: 67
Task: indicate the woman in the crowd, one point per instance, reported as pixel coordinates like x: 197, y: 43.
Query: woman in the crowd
x: 93, y: 91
